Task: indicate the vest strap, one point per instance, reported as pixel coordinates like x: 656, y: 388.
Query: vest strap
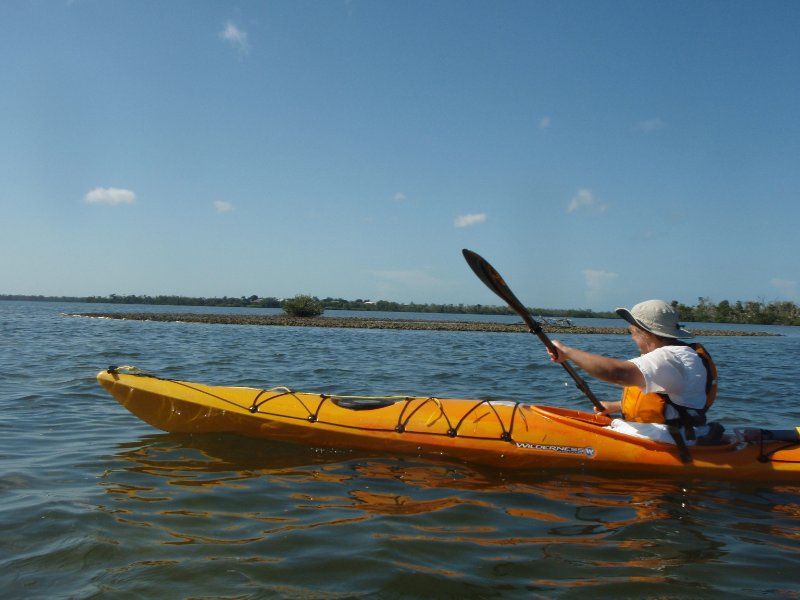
x: 680, y: 444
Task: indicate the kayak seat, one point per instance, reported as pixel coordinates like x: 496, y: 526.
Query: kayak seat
x: 364, y: 403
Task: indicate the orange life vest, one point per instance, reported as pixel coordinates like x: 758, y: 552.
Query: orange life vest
x: 650, y: 408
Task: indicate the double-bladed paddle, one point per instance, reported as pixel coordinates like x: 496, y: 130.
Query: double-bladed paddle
x: 492, y: 279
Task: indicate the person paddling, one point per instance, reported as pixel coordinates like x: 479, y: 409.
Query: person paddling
x: 667, y: 389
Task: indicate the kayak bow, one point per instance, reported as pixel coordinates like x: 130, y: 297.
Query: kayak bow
x: 498, y: 433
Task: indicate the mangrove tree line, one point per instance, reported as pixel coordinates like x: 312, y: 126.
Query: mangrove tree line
x: 705, y: 311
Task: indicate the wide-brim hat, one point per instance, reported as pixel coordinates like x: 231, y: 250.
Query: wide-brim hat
x: 656, y: 317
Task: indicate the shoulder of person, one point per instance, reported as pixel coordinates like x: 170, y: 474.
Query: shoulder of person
x: 675, y: 351
x: 678, y: 354
x: 682, y: 347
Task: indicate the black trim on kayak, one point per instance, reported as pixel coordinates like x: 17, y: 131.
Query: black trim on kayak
x: 406, y: 414
x: 506, y: 435
x: 768, y: 456
x: 790, y: 436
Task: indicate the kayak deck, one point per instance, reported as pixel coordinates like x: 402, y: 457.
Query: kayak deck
x: 498, y: 433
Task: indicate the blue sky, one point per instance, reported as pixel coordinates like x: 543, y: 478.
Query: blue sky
x: 597, y: 153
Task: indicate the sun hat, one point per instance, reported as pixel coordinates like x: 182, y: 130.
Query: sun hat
x: 655, y: 316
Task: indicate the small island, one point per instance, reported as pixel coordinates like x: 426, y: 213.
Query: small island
x: 379, y: 323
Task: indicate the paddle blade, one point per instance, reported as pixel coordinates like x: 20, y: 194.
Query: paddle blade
x: 495, y: 282
x: 492, y: 279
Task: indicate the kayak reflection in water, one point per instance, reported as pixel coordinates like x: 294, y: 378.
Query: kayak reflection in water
x: 667, y: 389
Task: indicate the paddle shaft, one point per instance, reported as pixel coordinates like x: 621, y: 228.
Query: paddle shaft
x: 492, y: 279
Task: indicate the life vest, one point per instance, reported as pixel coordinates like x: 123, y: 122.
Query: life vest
x: 651, y: 408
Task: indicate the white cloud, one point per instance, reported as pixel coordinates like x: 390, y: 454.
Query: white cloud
x: 544, y: 122
x: 111, y: 196
x: 400, y: 197
x: 585, y: 200
x: 598, y: 283
x: 651, y: 125
x: 222, y: 206
x: 786, y: 287
x: 236, y: 37
x: 469, y: 219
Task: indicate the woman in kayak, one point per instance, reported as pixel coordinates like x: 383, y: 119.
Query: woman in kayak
x: 667, y: 389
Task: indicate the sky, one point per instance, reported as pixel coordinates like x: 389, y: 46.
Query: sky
x: 597, y: 153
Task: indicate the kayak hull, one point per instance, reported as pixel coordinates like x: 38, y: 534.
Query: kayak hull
x: 501, y: 434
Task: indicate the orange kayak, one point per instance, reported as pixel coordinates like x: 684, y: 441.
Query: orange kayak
x: 498, y: 433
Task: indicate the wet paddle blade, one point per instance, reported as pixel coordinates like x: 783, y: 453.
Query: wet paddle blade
x: 495, y: 282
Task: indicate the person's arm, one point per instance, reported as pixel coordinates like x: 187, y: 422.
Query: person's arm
x: 609, y: 407
x: 612, y: 370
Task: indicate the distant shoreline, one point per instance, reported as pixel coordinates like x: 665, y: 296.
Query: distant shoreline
x: 738, y: 313
x: 371, y: 323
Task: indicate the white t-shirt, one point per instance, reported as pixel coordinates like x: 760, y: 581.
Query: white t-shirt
x: 677, y: 371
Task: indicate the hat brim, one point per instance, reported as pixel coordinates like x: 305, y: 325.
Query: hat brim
x: 680, y: 332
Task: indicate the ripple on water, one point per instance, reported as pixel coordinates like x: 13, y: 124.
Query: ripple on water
x: 98, y: 504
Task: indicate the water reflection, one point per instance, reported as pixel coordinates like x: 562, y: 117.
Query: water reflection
x: 535, y: 532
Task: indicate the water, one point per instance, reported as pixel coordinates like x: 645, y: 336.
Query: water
x: 94, y: 503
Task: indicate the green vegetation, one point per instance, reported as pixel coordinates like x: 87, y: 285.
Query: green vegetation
x: 302, y: 306
x: 759, y: 313
x: 756, y: 313
x: 457, y: 309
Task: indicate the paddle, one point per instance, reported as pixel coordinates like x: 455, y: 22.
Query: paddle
x: 487, y: 274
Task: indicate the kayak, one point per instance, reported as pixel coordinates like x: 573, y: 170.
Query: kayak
x: 498, y: 433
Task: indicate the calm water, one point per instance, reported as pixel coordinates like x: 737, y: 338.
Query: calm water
x: 94, y: 503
